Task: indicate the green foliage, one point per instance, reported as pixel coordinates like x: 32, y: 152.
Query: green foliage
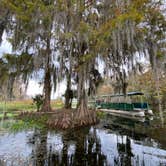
x: 101, y: 115
x: 30, y: 122
x: 38, y: 101
x: 8, y: 115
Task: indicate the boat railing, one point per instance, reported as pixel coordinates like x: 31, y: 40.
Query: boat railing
x: 117, y: 106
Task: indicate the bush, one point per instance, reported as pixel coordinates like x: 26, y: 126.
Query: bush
x: 38, y: 101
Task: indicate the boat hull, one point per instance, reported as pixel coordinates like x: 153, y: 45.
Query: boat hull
x: 127, y: 113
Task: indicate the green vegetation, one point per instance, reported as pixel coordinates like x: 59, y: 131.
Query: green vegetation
x: 25, y: 105
x: 10, y: 106
x: 101, y: 115
x: 24, y: 123
x: 8, y: 115
x: 29, y: 122
x: 38, y: 101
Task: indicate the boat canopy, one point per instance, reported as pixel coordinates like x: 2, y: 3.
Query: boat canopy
x: 134, y: 93
x: 128, y: 94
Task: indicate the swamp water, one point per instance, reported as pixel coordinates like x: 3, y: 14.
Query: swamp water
x: 116, y: 141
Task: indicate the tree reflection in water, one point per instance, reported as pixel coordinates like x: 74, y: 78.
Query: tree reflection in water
x: 87, y: 149
x: 39, y: 152
x: 124, y: 152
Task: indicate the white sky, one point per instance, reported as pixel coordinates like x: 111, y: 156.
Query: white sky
x: 34, y: 88
x: 5, y: 46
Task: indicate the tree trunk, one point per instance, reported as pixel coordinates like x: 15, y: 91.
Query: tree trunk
x: 47, y: 79
x: 3, y: 22
x: 68, y: 93
x: 47, y: 91
x: 67, y: 100
x: 83, y: 116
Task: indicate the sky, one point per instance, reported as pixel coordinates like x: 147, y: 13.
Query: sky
x: 34, y: 88
x: 5, y: 46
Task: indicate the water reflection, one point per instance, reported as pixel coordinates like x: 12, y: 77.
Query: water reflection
x: 116, y: 142
x: 78, y: 148
x: 125, y: 153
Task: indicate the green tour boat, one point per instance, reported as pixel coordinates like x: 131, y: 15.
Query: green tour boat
x: 131, y: 104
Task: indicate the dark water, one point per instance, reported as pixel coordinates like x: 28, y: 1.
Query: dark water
x: 115, y: 141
